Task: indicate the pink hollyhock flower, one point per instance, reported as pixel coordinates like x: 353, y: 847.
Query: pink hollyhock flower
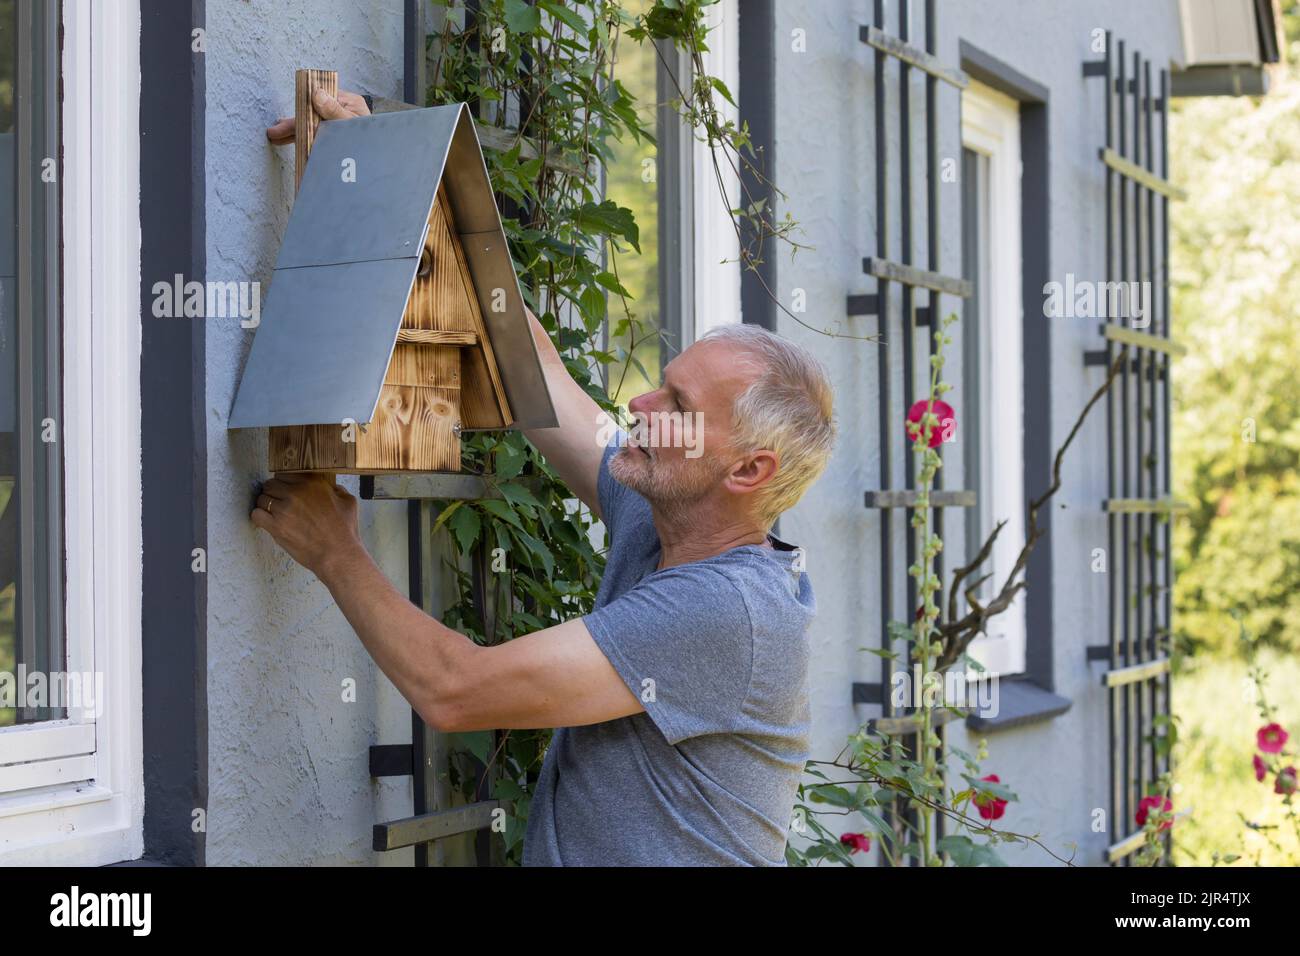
x: 1271, y: 739
x: 856, y: 842
x: 1286, y: 781
x: 1159, y: 805
x: 947, y: 420
x: 1261, y: 769
x: 990, y: 807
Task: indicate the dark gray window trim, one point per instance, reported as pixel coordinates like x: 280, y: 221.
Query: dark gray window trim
x: 173, y: 435
x: 676, y: 217
x: 756, y: 99
x: 1021, y: 701
x: 1035, y: 230
x: 756, y: 102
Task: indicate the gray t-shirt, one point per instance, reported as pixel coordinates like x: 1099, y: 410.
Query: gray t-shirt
x: 717, y: 652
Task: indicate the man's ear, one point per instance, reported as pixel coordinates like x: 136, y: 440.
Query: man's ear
x: 753, y: 472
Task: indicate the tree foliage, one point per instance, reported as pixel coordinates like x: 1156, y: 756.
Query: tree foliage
x: 1235, y: 286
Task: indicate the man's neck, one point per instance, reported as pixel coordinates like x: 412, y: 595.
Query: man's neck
x: 684, y: 541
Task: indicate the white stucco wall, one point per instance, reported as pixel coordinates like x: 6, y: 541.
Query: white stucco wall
x: 288, y: 774
x: 825, y: 164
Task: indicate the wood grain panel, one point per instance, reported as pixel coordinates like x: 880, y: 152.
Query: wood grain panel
x: 306, y: 120
x: 412, y: 430
x: 310, y: 448
x: 440, y: 299
x: 425, y: 365
x: 483, y: 397
x: 434, y: 337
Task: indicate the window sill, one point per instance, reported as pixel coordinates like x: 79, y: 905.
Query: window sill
x: 1020, y: 702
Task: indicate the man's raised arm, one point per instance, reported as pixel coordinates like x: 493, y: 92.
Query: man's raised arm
x: 575, y: 448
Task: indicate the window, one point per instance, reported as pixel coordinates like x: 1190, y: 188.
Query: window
x: 31, y: 535
x: 686, y: 279
x: 992, y: 379
x: 70, y: 538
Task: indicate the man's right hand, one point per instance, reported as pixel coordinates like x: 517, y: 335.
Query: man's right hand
x: 346, y: 105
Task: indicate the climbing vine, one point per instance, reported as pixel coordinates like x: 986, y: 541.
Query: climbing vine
x: 547, y: 73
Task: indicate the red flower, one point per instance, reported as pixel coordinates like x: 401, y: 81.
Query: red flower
x: 990, y: 807
x: 947, y: 420
x: 1271, y: 739
x: 856, y: 841
x: 1261, y: 769
x: 1286, y: 781
x: 1159, y: 805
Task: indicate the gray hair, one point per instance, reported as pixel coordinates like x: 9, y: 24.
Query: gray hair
x: 788, y: 409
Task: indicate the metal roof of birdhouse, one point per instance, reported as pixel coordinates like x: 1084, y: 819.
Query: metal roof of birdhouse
x: 348, y: 261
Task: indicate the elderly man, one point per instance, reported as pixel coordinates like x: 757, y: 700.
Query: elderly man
x: 681, y: 700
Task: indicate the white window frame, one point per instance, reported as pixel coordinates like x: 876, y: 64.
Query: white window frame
x: 707, y: 256
x: 991, y: 127
x: 72, y: 791
x: 715, y: 246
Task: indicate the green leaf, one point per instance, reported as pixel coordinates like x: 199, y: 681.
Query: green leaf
x: 503, y: 788
x: 832, y: 794
x: 446, y: 513
x: 563, y: 13
x: 874, y: 819
x: 519, y: 495
x: 721, y: 87
x: 608, y: 218
x: 966, y: 852
x: 465, y: 525
x: 521, y: 17
x: 540, y: 550
x: 509, y: 460
x: 990, y: 788
x: 502, y: 511
x: 610, y: 282
x: 478, y: 742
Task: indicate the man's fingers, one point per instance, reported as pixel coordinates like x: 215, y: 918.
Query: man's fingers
x: 328, y: 107
x: 346, y: 105
x: 281, y: 132
x: 277, y: 488
x: 354, y: 102
x: 261, y: 519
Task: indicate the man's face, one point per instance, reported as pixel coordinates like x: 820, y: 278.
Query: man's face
x: 680, y: 448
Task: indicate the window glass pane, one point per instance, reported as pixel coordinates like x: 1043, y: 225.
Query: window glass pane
x: 974, y: 198
x: 31, y: 552
x: 632, y: 180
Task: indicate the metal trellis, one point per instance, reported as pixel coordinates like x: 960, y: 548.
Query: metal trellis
x: 899, y: 723
x: 1139, y: 503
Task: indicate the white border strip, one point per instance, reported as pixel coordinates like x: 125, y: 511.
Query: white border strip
x: 99, y: 822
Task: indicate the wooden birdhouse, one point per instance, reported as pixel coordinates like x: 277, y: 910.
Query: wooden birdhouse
x: 394, y: 320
